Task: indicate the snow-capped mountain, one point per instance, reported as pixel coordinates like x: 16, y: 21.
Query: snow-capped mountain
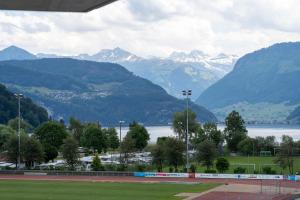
x: 195, y: 70
x: 221, y: 62
x: 110, y: 55
x: 193, y: 56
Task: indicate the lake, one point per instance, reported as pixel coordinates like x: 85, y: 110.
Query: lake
x: 253, y: 131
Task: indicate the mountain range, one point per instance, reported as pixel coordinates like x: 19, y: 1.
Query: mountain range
x: 195, y: 70
x: 93, y: 91
x: 263, y: 86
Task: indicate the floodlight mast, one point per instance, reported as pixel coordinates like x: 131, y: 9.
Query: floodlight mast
x: 187, y: 94
x: 19, y: 97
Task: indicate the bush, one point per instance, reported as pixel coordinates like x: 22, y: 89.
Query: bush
x: 193, y: 169
x: 210, y: 171
x: 110, y: 167
x: 171, y: 169
x: 122, y: 168
x: 239, y: 170
x: 96, y: 164
x: 141, y: 168
x: 268, y: 170
x: 222, y: 165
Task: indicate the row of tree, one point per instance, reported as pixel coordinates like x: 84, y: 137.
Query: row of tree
x: 53, y: 137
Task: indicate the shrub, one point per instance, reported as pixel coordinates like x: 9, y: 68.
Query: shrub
x: 110, y: 167
x: 96, y: 164
x: 222, y: 165
x: 268, y: 170
x: 210, y: 171
x: 239, y: 170
x: 171, y: 169
x: 193, y: 169
x: 122, y: 168
x: 141, y: 168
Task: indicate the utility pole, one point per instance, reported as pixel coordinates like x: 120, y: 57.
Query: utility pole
x: 19, y: 96
x: 187, y: 94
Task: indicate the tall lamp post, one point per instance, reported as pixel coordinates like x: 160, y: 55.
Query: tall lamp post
x: 19, y: 97
x: 187, y: 94
x: 120, y: 123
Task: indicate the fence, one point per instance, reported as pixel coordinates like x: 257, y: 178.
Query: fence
x: 66, y: 173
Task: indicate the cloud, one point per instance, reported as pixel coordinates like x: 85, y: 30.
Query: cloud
x: 156, y: 27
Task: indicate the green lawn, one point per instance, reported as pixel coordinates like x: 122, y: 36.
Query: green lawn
x: 38, y: 190
x: 258, y: 161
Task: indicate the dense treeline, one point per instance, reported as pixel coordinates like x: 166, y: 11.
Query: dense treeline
x: 31, y: 113
x: 211, y: 145
x: 208, y: 145
x: 53, y: 137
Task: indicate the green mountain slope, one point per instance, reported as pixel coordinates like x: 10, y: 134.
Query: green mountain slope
x: 269, y: 76
x: 32, y: 113
x: 93, y: 91
x: 294, y: 117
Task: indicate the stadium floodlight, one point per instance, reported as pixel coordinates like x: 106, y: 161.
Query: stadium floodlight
x: 187, y: 94
x: 19, y: 97
x: 54, y: 5
x: 120, y: 123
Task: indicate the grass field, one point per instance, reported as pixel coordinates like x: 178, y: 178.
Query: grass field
x: 258, y: 161
x: 37, y: 190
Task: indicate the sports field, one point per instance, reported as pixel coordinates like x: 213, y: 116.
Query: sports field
x: 61, y: 190
x: 258, y: 161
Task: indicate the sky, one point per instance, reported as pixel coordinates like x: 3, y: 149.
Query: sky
x: 156, y: 27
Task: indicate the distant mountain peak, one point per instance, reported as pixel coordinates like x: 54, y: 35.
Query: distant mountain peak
x: 15, y: 53
x: 114, y: 55
x: 193, y: 56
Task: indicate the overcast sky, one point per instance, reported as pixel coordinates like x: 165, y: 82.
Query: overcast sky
x: 157, y: 27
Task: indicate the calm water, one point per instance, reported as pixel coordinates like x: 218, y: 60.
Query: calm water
x: 253, y: 130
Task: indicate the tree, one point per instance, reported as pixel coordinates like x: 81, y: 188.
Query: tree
x: 264, y: 144
x: 96, y: 164
x: 76, y: 128
x: 285, y: 157
x: 174, y: 149
x: 206, y: 153
x: 51, y: 133
x: 33, y: 152
x: 127, y: 146
x: 112, y: 138
x: 50, y: 152
x: 235, y: 130
x: 158, y: 153
x: 5, y: 133
x: 212, y: 133
x: 246, y: 146
x: 139, y: 134
x: 94, y: 138
x: 222, y: 165
x: 14, y: 124
x: 70, y: 152
x: 179, y: 124
x: 12, y: 148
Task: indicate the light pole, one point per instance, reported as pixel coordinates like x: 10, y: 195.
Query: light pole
x: 120, y: 123
x: 187, y: 94
x: 19, y: 97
